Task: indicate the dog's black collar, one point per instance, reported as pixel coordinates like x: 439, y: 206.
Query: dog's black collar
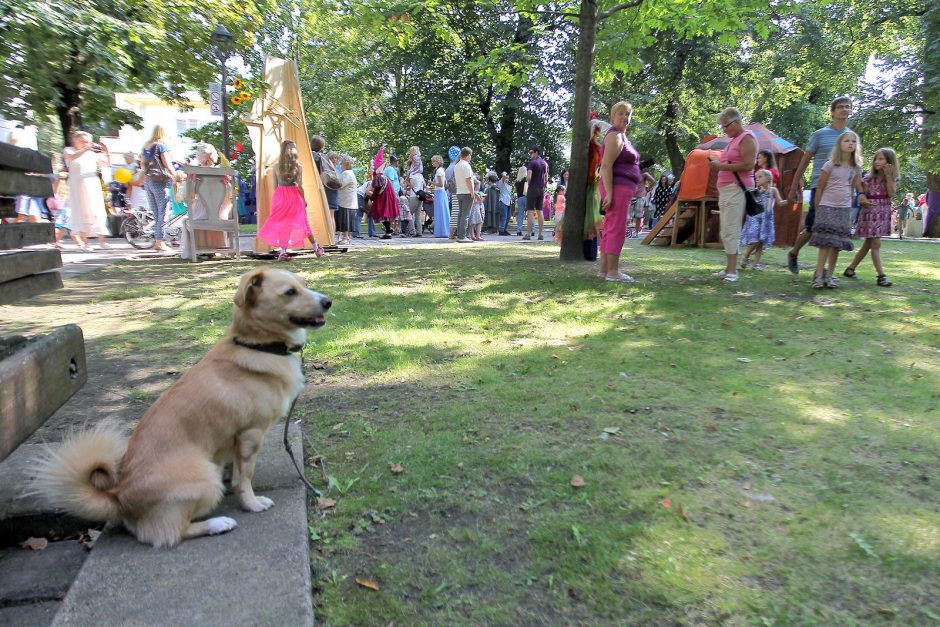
x: 275, y: 348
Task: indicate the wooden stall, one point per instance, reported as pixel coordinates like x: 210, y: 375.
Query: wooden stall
x: 690, y: 220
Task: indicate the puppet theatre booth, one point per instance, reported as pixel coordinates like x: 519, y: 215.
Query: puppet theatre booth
x: 689, y: 220
x: 277, y: 116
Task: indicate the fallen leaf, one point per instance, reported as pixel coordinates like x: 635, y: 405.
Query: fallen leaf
x: 367, y: 583
x: 397, y: 469
x: 338, y: 425
x: 320, y: 365
x: 744, y: 360
x: 612, y: 430
x: 325, y: 503
x: 681, y: 511
x: 747, y: 503
x: 129, y: 345
x: 666, y: 503
x: 885, y: 612
x: 577, y: 481
x: 36, y: 544
x: 710, y: 427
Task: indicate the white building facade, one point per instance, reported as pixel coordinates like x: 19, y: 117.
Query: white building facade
x: 154, y: 111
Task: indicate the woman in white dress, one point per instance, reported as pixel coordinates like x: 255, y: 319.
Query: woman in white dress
x: 88, y: 215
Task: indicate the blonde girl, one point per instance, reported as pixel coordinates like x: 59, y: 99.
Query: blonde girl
x: 832, y: 229
x: 286, y: 226
x: 413, y: 164
x: 874, y: 222
x: 758, y: 232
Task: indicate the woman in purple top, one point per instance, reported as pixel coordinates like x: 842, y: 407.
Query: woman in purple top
x: 620, y: 176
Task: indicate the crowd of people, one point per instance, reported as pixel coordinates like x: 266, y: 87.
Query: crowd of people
x: 846, y: 200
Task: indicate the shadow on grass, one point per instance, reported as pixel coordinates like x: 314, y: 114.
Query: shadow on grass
x: 796, y: 429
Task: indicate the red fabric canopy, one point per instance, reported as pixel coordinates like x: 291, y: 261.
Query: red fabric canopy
x: 766, y: 140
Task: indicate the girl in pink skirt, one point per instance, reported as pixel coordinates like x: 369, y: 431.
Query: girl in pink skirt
x: 287, y: 226
x: 874, y: 222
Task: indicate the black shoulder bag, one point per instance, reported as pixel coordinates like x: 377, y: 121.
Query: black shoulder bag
x: 752, y: 204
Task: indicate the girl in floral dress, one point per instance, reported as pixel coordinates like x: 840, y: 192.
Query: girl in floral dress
x: 874, y: 222
x: 758, y: 232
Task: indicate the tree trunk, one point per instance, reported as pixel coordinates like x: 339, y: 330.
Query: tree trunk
x: 932, y: 217
x: 512, y: 104
x: 674, y: 109
x: 931, y: 132
x: 503, y: 141
x: 676, y: 159
x: 576, y: 196
x: 69, y: 110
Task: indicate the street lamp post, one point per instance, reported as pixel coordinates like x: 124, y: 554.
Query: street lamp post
x: 223, y: 41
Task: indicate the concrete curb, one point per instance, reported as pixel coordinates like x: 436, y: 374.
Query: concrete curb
x: 257, y: 574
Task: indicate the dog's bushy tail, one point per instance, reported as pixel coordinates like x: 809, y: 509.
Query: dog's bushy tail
x: 77, y: 475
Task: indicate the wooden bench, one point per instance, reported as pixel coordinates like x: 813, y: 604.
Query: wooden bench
x: 38, y: 374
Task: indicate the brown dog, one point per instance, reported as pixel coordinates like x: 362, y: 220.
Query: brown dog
x: 170, y: 472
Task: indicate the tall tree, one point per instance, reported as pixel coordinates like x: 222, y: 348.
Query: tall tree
x: 68, y: 58
x: 686, y: 18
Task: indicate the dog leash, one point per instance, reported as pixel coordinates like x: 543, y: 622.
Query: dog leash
x: 287, y: 447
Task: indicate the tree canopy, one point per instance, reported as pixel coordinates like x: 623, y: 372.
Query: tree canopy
x: 501, y: 75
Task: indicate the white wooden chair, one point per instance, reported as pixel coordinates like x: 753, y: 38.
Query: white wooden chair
x: 210, y: 198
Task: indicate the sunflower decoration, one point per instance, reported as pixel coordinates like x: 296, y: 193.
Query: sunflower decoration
x: 245, y: 96
x: 237, y: 83
x: 237, y: 100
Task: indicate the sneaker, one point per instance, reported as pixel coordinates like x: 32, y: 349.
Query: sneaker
x: 526, y: 238
x: 730, y: 278
x: 792, y: 264
x: 540, y: 237
x: 819, y: 281
x: 720, y: 273
x: 465, y: 240
x: 834, y: 280
x: 504, y: 233
x: 387, y: 236
x: 758, y: 266
x: 518, y: 234
x: 104, y: 246
x: 883, y: 281
x: 621, y: 278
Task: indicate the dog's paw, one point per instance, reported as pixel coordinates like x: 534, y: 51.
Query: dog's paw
x: 221, y: 524
x: 259, y: 504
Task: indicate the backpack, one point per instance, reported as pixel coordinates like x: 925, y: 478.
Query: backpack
x: 451, y: 181
x: 328, y: 173
x: 154, y: 167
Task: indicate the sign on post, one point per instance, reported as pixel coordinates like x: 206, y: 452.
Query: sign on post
x: 215, y: 98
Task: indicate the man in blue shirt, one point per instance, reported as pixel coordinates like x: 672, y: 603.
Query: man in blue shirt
x: 820, y: 143
x: 391, y: 173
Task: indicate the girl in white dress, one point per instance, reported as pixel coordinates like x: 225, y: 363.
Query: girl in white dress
x: 86, y: 199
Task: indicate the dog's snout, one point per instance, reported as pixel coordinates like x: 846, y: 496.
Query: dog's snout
x: 325, y: 302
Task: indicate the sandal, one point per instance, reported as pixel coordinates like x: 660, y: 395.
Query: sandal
x: 319, y: 251
x: 621, y: 278
x: 883, y: 281
x: 849, y: 272
x: 819, y: 281
x: 284, y: 256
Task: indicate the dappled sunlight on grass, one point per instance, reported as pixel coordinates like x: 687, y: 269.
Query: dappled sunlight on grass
x: 914, y: 533
x: 799, y: 430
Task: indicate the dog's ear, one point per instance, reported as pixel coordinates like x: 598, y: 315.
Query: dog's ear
x: 247, y: 294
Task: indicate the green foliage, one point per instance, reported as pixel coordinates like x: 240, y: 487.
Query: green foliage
x: 68, y: 58
x: 211, y: 133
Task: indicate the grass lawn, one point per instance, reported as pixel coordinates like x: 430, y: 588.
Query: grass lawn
x: 751, y: 454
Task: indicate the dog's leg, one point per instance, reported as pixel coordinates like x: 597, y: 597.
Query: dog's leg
x: 247, y: 446
x: 211, y: 527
